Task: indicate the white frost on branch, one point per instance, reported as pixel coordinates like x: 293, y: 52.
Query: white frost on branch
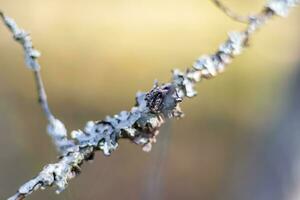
x: 142, y: 123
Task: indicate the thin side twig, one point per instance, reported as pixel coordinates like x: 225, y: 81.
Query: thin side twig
x: 230, y: 13
x: 56, y: 128
x: 42, y: 96
x: 142, y: 123
x: 31, y: 56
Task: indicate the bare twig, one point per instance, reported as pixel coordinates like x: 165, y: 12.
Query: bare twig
x: 42, y: 96
x: 142, y: 123
x: 230, y: 13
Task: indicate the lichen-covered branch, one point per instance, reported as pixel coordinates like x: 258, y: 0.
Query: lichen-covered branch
x: 142, y: 123
x: 56, y: 128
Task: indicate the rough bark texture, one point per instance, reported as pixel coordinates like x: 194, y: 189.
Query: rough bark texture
x: 141, y: 124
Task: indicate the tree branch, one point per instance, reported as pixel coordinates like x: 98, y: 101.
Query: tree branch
x: 230, y: 13
x: 56, y: 128
x: 141, y: 124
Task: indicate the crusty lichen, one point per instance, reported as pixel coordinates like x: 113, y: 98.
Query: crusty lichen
x: 141, y: 124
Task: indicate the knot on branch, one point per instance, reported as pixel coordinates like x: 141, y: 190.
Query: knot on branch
x: 164, y: 100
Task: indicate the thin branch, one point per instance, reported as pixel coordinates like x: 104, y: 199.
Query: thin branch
x: 17, y: 196
x: 230, y: 13
x: 42, y: 96
x: 56, y: 129
x: 142, y: 123
x: 31, y: 56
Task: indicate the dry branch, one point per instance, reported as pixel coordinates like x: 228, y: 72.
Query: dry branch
x: 141, y: 124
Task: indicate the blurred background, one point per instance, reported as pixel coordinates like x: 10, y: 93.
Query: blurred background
x: 238, y: 140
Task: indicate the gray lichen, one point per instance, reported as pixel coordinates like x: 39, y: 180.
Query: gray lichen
x: 56, y: 129
x: 58, y: 132
x: 142, y: 123
x: 282, y: 7
x: 24, y: 39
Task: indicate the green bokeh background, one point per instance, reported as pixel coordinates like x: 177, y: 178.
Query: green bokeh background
x: 96, y: 54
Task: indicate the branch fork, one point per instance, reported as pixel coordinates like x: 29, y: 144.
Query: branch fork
x: 141, y: 124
